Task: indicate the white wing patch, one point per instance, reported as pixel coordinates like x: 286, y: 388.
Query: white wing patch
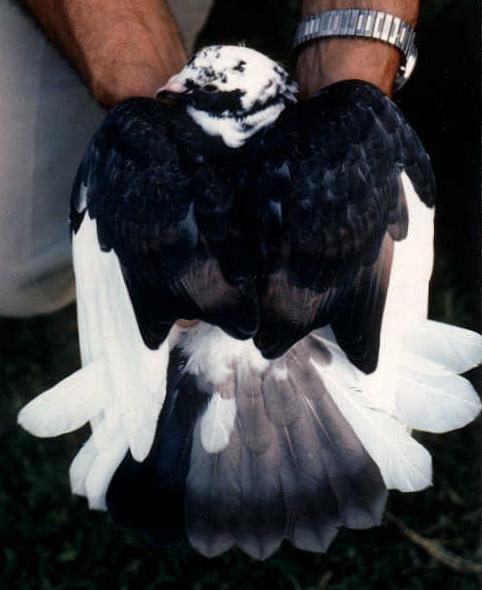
x: 415, y: 385
x: 67, y: 406
x: 136, y: 374
x: 122, y: 385
x: 407, y: 297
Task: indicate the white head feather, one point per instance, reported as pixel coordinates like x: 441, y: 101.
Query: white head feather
x: 236, y: 91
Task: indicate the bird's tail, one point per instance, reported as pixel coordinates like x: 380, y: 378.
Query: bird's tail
x: 249, y: 452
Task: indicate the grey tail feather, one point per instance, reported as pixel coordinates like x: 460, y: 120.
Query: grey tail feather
x: 293, y: 468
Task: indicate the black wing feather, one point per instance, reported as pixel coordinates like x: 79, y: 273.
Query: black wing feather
x: 163, y: 195
x: 328, y: 195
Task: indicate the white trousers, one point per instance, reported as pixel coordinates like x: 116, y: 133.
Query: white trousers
x: 46, y: 119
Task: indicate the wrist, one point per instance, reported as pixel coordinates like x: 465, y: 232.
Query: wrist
x: 128, y: 79
x: 325, y: 61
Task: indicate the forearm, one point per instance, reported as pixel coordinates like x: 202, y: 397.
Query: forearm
x: 326, y: 61
x: 121, y: 48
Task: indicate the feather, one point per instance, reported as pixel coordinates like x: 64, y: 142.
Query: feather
x: 67, y: 406
x: 330, y: 205
x: 369, y: 402
x: 404, y: 463
x: 407, y: 298
x: 151, y: 494
x: 136, y: 376
x: 433, y: 399
x: 213, y: 497
x: 217, y: 423
x: 94, y: 465
x: 454, y: 348
x: 81, y: 465
x: 101, y: 471
x: 292, y: 467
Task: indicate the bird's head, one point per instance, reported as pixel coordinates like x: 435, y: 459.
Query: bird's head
x: 232, y: 91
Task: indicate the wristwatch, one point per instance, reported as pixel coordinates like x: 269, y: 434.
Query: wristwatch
x: 371, y: 24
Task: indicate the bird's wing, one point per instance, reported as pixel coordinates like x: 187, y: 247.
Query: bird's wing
x: 168, y: 214
x: 121, y: 386
x: 152, y: 231
x: 330, y: 203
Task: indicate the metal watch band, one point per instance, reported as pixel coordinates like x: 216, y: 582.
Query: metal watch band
x: 371, y: 24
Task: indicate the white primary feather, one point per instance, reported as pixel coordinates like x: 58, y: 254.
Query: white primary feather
x: 136, y: 376
x: 81, y: 465
x: 404, y: 463
x: 419, y: 358
x: 88, y: 315
x: 455, y: 348
x: 67, y: 406
x: 101, y: 472
x: 432, y: 398
x: 93, y: 468
x: 217, y: 423
x: 96, y: 462
x: 122, y: 385
x: 407, y: 298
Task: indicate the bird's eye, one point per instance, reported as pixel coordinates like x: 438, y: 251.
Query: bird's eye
x: 210, y: 88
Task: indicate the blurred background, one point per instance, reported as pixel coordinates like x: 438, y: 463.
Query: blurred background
x: 50, y: 540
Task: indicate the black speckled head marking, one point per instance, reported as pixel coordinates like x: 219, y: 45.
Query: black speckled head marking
x: 240, y: 66
x: 233, y: 91
x: 242, y: 78
x: 219, y: 104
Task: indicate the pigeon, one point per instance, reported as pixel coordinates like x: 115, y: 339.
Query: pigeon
x: 297, y: 239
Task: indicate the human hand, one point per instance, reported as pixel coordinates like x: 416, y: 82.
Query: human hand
x: 121, y: 48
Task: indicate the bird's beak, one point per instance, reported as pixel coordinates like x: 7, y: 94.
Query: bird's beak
x: 173, y: 86
x: 168, y: 97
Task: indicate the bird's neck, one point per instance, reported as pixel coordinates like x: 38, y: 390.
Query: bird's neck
x: 234, y: 131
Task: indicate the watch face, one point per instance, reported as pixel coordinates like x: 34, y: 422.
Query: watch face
x: 406, y: 69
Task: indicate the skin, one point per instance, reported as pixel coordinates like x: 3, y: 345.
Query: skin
x: 121, y: 48
x: 323, y: 62
x: 128, y: 48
